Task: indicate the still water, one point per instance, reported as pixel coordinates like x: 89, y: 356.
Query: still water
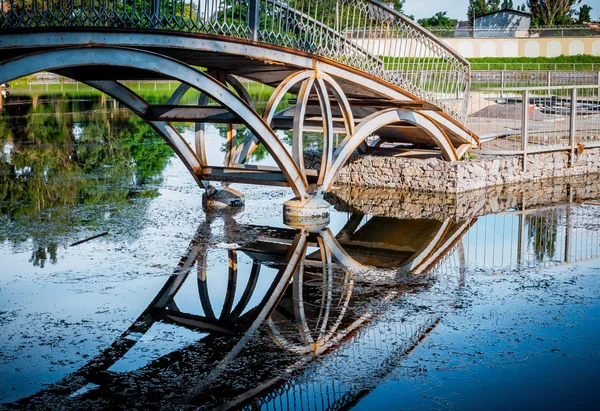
x: 490, y: 300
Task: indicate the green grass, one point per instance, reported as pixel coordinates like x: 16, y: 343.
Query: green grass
x: 580, y: 63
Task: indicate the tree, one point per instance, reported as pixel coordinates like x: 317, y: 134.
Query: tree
x: 439, y: 20
x: 552, y: 12
x: 507, y: 4
x: 477, y: 7
x: 584, y: 14
x: 398, y: 4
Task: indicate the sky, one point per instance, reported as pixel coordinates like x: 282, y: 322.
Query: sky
x: 457, y: 9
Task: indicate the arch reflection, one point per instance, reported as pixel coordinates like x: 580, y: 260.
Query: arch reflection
x: 286, y: 298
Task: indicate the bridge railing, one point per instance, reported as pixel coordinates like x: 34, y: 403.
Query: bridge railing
x: 364, y: 34
x: 529, y: 120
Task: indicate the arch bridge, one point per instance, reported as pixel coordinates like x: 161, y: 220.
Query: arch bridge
x: 357, y: 70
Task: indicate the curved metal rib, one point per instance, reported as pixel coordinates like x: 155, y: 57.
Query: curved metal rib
x: 381, y: 119
x: 245, y: 150
x: 299, y: 115
x: 141, y: 60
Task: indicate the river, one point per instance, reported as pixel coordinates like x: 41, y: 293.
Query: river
x: 117, y: 290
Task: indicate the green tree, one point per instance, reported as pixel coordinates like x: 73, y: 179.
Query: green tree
x: 439, y: 20
x: 507, y: 4
x: 552, y: 12
x: 398, y: 4
x: 477, y: 7
x: 584, y: 14
x: 57, y: 184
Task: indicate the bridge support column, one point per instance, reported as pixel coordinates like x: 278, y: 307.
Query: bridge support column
x: 311, y: 213
x: 215, y: 198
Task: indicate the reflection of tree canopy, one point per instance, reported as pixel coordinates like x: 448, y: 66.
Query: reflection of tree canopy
x: 70, y: 169
x: 541, y: 232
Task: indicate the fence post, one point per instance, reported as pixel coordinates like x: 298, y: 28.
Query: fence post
x: 502, y: 84
x: 254, y: 19
x: 525, y: 127
x: 572, y: 125
x: 549, y: 82
x: 598, y: 84
x: 155, y: 14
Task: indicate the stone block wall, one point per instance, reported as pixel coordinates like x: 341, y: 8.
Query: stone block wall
x: 436, y: 175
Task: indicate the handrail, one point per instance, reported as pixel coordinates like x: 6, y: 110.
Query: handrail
x: 541, y: 88
x: 417, y: 26
x: 364, y: 34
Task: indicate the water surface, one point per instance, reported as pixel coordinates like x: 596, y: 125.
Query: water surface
x: 176, y: 307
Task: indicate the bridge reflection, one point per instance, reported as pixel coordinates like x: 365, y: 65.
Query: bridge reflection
x: 309, y: 319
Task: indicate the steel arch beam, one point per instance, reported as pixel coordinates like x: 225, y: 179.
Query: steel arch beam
x: 381, y: 119
x: 343, y: 102
x: 310, y: 79
x: 250, y: 144
x: 139, y: 106
x: 89, y: 56
x: 299, y: 115
x: 327, y: 129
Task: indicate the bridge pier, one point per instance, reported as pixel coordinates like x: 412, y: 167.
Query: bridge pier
x: 310, y: 213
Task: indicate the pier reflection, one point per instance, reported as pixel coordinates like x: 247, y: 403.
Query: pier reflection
x: 312, y: 320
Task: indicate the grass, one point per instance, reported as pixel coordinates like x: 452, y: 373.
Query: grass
x: 579, y: 63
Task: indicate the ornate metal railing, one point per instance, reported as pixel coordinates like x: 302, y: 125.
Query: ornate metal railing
x: 363, y: 34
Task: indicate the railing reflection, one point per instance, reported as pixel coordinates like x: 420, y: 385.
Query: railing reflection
x: 530, y: 238
x: 289, y: 297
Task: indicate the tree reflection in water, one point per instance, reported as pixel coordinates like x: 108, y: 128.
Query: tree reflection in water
x: 64, y: 155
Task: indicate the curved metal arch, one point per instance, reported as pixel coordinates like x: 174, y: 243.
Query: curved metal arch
x: 381, y: 119
x: 200, y: 127
x: 142, y: 60
x: 343, y: 102
x: 245, y: 150
x: 323, y: 83
x: 325, y: 336
x: 299, y: 115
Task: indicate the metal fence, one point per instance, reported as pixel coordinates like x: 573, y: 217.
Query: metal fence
x: 517, y: 120
x: 532, y: 78
x: 535, y: 67
x: 544, y: 31
x: 341, y: 30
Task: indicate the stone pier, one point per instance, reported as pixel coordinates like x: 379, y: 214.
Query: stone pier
x: 439, y: 176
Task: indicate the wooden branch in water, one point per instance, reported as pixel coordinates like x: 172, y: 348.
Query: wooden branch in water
x: 89, y: 239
